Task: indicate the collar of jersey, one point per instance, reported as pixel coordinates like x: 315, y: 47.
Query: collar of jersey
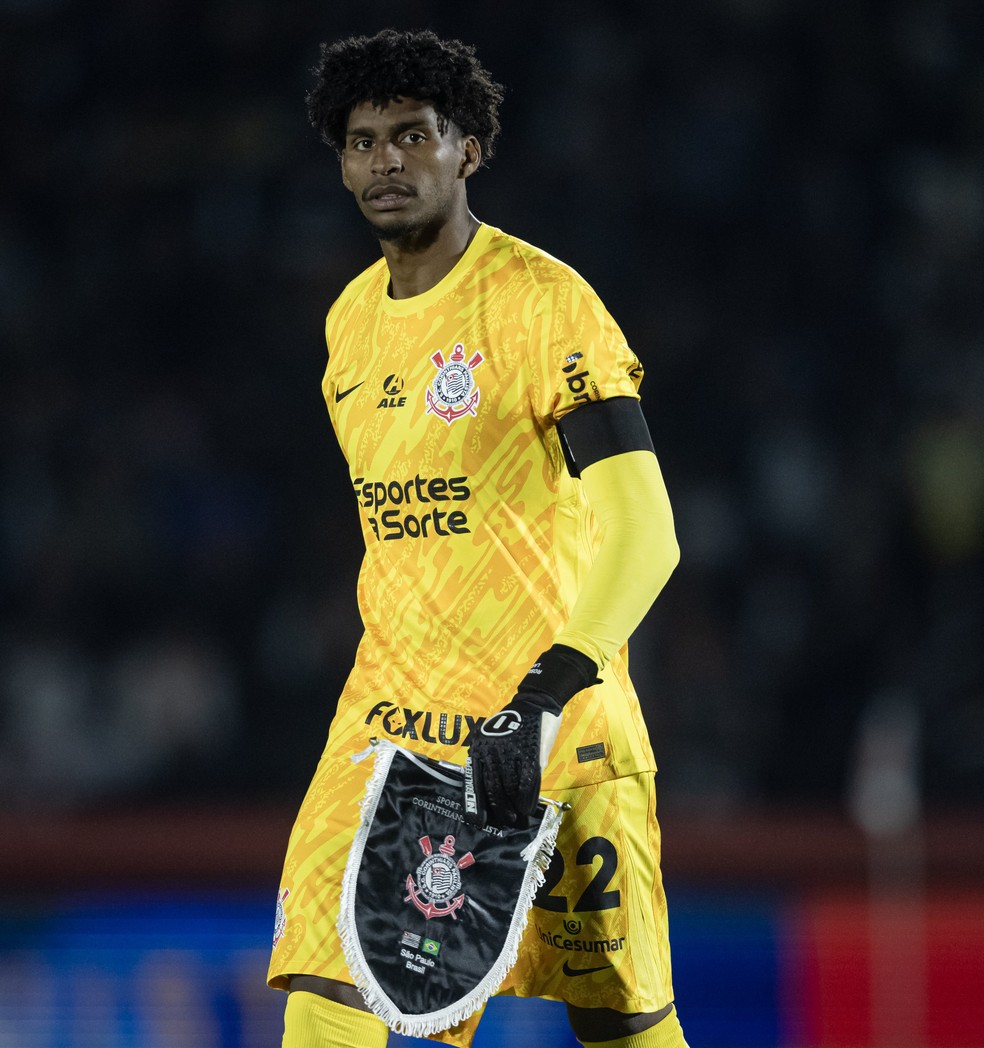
x: 402, y: 307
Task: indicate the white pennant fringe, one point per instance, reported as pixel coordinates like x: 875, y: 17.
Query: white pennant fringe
x: 536, y: 855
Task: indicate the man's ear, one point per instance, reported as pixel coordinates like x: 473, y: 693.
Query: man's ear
x: 471, y: 156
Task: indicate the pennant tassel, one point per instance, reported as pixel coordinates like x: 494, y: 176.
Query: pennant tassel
x: 351, y: 948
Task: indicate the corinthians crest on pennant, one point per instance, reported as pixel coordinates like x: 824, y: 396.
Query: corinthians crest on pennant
x: 453, y: 393
x: 439, y: 879
x: 432, y: 910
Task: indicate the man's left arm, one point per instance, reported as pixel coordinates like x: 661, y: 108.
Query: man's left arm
x: 608, y: 445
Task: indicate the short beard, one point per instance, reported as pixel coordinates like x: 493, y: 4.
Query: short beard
x: 410, y: 236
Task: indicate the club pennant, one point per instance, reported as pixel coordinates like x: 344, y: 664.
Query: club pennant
x: 432, y: 910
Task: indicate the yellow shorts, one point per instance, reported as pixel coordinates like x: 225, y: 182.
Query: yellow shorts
x: 596, y: 936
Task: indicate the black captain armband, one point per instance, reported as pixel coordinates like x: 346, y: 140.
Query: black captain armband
x: 603, y: 428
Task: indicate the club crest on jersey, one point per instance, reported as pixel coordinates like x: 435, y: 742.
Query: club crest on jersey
x: 453, y: 393
x: 437, y: 890
x: 280, y: 923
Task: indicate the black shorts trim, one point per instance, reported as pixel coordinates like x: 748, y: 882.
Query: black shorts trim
x: 601, y: 429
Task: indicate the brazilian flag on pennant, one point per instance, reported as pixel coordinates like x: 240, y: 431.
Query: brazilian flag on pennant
x: 433, y: 910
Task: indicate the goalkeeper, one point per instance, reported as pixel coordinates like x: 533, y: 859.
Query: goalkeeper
x: 517, y: 529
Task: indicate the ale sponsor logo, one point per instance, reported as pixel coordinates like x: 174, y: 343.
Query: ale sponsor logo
x: 393, y: 393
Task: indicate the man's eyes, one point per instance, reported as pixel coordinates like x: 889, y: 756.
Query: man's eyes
x: 363, y: 145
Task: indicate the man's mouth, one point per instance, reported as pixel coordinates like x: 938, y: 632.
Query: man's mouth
x: 387, y: 196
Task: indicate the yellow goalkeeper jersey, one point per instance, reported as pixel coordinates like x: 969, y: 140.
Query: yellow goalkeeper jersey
x: 477, y: 537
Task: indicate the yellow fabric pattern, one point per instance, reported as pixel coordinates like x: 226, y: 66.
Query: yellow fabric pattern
x: 478, y: 540
x: 637, y: 553
x: 312, y: 1021
x: 599, y: 938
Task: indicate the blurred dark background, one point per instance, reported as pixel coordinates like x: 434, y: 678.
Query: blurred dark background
x: 782, y: 205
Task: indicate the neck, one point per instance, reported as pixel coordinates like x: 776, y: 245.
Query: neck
x: 419, y: 262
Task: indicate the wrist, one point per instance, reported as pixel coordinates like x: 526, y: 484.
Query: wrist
x: 558, y: 675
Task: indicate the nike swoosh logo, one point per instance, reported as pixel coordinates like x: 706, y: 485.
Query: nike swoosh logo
x: 568, y: 970
x: 345, y: 392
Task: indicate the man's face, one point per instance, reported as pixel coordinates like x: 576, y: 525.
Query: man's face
x: 407, y: 176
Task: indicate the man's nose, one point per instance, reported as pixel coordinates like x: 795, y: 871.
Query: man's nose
x: 386, y: 159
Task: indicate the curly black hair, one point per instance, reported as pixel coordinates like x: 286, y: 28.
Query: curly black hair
x: 397, y: 64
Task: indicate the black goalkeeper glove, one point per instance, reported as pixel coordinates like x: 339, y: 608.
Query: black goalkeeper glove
x: 510, y: 750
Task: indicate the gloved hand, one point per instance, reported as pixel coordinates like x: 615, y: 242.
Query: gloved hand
x: 511, y: 749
